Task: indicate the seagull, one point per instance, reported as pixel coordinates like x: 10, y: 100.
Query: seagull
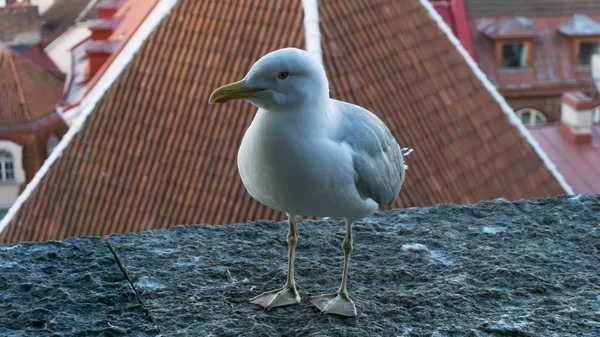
x: 306, y: 154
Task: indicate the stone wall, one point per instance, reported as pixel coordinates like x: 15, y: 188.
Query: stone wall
x: 498, y: 268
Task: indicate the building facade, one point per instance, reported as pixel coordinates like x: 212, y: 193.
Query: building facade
x: 535, y: 51
x: 29, y: 126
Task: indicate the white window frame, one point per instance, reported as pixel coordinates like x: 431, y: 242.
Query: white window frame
x: 7, y: 159
x: 532, y: 114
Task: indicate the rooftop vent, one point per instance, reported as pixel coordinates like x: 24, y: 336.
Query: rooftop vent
x: 577, y: 117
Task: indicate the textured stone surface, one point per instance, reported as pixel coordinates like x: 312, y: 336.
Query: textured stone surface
x: 492, y: 269
x: 68, y: 288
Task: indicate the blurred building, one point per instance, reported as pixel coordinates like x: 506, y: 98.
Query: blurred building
x: 149, y: 152
x: 574, y: 144
x: 86, y: 50
x: 42, y: 5
x: 62, y: 17
x: 19, y: 25
x: 30, y: 128
x: 535, y: 51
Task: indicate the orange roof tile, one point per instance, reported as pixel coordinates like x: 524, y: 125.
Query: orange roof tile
x: 153, y: 154
x: 27, y: 92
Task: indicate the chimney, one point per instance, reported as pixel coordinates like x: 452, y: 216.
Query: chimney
x: 577, y: 117
x: 108, y: 8
x: 98, y: 52
x: 102, y: 29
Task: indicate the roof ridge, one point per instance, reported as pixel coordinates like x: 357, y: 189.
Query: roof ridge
x: 17, y: 80
x: 312, y: 31
x: 158, y: 13
x: 508, y: 111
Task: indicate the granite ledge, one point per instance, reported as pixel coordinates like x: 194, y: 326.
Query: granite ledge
x: 496, y: 268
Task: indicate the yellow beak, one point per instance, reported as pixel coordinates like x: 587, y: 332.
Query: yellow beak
x: 232, y: 91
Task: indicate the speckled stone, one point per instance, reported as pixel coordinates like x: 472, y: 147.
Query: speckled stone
x: 68, y: 288
x: 530, y: 268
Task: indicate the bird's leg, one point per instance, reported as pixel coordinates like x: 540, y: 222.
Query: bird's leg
x: 288, y: 294
x: 339, y: 303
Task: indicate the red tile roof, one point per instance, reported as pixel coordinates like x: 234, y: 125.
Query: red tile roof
x: 125, y: 22
x: 27, y: 92
x: 511, y: 27
x: 531, y: 7
x: 579, y: 164
x: 35, y: 54
x: 580, y: 25
x: 153, y: 154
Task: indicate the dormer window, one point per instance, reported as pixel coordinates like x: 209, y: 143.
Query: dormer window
x: 583, y: 34
x: 586, y: 50
x: 514, y: 55
x: 513, y: 41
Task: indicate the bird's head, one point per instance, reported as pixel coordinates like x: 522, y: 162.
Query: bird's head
x: 281, y: 80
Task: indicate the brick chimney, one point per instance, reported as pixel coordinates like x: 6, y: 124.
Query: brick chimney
x: 98, y: 52
x: 577, y: 117
x: 108, y: 8
x: 102, y: 29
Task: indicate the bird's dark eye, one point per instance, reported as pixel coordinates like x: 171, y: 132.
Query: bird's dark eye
x: 282, y: 75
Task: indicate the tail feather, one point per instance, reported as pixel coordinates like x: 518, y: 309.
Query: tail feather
x: 405, y: 152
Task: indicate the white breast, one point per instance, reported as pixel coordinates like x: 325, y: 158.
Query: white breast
x: 297, y: 172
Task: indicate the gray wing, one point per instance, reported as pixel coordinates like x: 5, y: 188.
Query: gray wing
x: 378, y: 159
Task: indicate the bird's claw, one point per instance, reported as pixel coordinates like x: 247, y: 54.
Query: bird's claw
x: 287, y: 295
x: 334, y: 304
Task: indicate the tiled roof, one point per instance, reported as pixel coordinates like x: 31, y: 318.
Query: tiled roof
x: 153, y: 154
x: 125, y: 22
x: 62, y: 15
x: 35, y: 54
x: 27, y: 92
x: 580, y: 25
x: 511, y: 27
x: 579, y: 164
x: 531, y: 7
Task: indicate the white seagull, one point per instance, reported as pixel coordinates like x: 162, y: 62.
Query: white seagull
x: 306, y: 154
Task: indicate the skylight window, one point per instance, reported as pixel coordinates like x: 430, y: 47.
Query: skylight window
x: 514, y: 55
x: 586, y: 50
